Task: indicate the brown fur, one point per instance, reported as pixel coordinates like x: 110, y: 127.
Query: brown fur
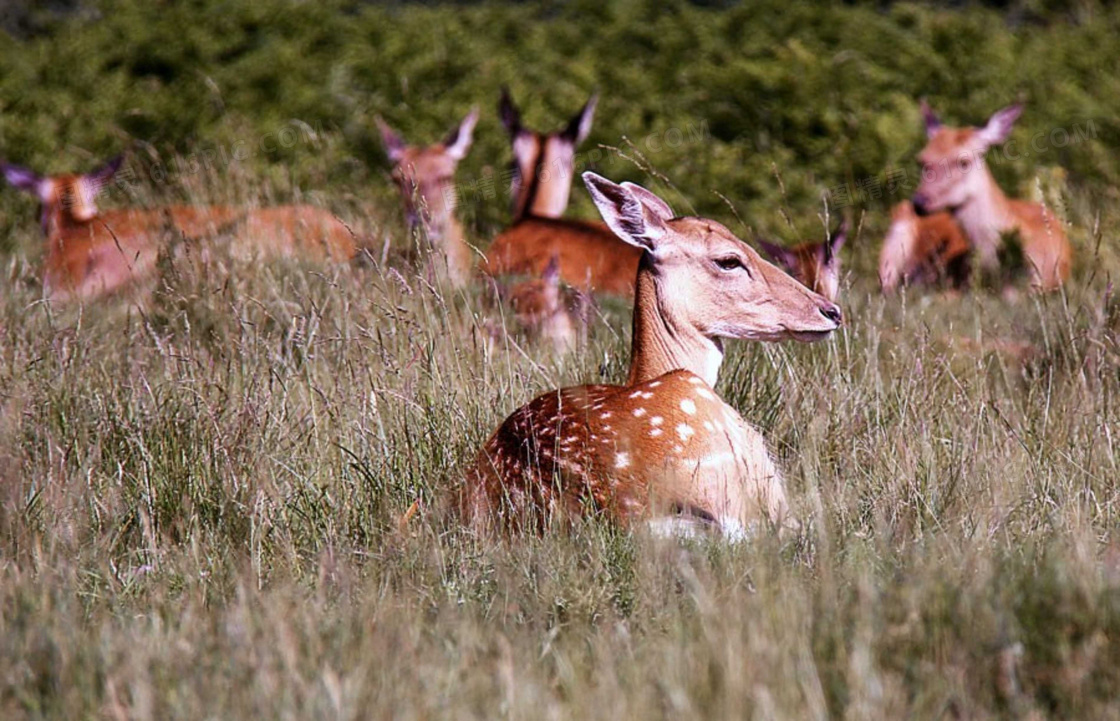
x: 590, y: 256
x: 923, y: 250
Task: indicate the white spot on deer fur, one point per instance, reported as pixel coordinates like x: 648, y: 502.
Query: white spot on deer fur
x: 695, y: 380
x: 678, y: 449
x: 656, y: 421
x: 705, y: 394
x: 605, y: 415
x: 688, y: 406
x: 647, y: 395
x: 622, y: 460
x: 709, y: 427
x: 685, y: 431
x: 636, y: 394
x: 606, y: 428
x: 639, y: 412
x: 655, y: 433
x: 655, y: 384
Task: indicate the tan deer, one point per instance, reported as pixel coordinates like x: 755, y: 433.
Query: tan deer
x: 923, y: 250
x: 546, y: 312
x: 91, y: 253
x: 956, y: 178
x: 815, y: 265
x: 589, y: 255
x: 663, y: 447
x: 425, y: 176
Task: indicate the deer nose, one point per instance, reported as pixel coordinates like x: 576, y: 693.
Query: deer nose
x: 920, y: 202
x: 832, y: 312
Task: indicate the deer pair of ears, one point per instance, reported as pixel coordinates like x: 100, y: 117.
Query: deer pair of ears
x: 633, y: 213
x: 456, y: 144
x: 39, y: 186
x: 576, y: 131
x: 788, y: 259
x: 995, y: 131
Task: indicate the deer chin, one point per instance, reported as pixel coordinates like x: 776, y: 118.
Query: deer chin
x: 809, y: 336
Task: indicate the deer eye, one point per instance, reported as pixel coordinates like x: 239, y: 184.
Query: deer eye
x: 731, y: 263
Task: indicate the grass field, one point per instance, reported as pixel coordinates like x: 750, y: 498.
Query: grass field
x: 201, y: 494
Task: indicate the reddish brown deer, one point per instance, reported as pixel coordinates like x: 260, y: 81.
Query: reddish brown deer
x: 589, y: 255
x: 426, y: 178
x: 923, y: 250
x: 92, y: 253
x: 815, y: 265
x: 545, y: 311
x: 663, y: 447
x: 956, y: 178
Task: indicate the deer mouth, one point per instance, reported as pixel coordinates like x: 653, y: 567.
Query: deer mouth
x: 810, y: 336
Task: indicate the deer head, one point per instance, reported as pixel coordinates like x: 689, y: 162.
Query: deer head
x: 425, y: 175
x: 953, y: 168
x: 543, y: 163
x: 815, y: 265
x: 698, y: 283
x: 66, y: 200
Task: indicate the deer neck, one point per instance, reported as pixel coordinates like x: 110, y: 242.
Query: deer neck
x: 986, y: 215
x: 663, y: 341
x: 445, y: 233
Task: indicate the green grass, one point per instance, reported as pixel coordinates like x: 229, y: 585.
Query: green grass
x: 201, y: 493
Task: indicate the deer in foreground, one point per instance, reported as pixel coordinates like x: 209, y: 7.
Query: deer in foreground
x: 956, y: 178
x: 425, y: 176
x: 815, y: 265
x: 923, y: 250
x: 91, y: 253
x: 663, y: 447
x: 589, y: 255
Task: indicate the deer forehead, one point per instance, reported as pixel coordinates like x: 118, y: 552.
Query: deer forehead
x: 947, y: 143
x: 700, y: 236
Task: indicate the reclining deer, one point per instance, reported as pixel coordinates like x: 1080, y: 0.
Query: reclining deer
x: 91, y: 253
x: 663, y: 448
x: 956, y: 178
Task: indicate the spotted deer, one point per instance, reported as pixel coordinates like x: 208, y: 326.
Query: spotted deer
x: 663, y: 447
x: 91, y: 253
x: 956, y: 178
x: 815, y: 265
x: 589, y: 255
x: 425, y: 176
x: 923, y: 250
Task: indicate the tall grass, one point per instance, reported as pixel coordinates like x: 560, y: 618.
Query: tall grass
x: 204, y: 489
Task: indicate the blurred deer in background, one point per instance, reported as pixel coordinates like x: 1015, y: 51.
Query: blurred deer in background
x: 956, y: 178
x: 546, y: 312
x: 92, y: 252
x: 425, y: 176
x: 588, y: 254
x: 923, y: 250
x: 815, y: 265
x: 663, y: 447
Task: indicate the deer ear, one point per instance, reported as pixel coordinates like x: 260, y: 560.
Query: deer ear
x: 24, y: 179
x: 459, y: 141
x: 508, y: 113
x: 933, y: 123
x: 629, y: 219
x: 652, y: 203
x: 836, y: 241
x: 105, y: 173
x: 391, y: 139
x: 778, y: 254
x: 999, y: 125
x: 580, y: 126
